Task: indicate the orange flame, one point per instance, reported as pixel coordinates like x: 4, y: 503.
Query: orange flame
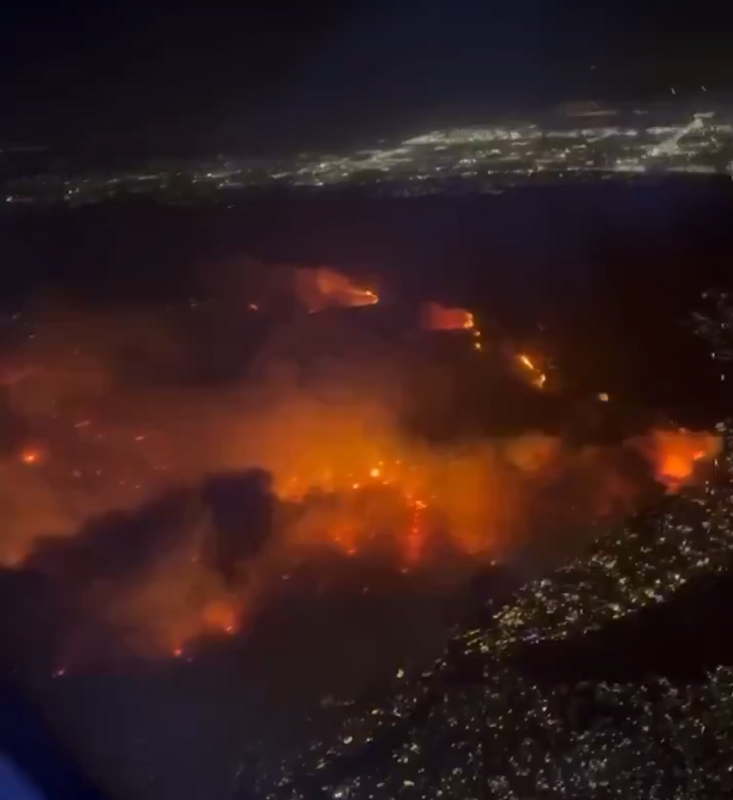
x: 537, y: 377
x: 436, y: 317
x: 323, y: 287
x: 346, y: 477
x: 674, y: 454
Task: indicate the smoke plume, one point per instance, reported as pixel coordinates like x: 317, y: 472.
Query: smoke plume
x: 162, y: 507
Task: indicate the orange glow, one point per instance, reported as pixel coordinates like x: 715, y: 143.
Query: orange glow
x: 537, y: 377
x: 219, y: 616
x: 674, y: 454
x: 32, y: 456
x: 322, y: 287
x: 532, y: 453
x: 436, y: 317
x: 348, y: 479
x: 415, y: 539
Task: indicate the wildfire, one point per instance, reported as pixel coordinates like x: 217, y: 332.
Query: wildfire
x: 471, y: 497
x: 348, y: 514
x: 344, y: 476
x: 674, y: 454
x: 323, y: 287
x: 537, y: 377
x: 436, y: 317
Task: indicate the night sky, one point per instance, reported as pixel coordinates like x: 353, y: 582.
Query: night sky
x: 86, y: 76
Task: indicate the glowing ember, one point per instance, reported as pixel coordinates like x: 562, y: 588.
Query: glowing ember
x: 32, y: 456
x: 537, y: 377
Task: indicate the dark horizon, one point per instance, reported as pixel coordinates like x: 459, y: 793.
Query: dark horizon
x: 209, y: 79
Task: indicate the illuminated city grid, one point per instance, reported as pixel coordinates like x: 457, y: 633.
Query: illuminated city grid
x: 579, y: 141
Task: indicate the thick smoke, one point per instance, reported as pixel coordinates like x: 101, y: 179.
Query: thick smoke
x: 162, y: 506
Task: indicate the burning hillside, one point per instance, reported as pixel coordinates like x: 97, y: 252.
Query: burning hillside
x: 609, y: 677
x: 166, y: 511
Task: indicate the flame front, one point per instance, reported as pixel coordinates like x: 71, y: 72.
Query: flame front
x: 82, y: 495
x: 436, y: 317
x: 322, y: 287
